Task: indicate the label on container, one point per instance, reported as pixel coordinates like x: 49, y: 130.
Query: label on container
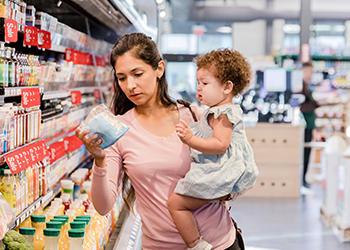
x: 9, y: 191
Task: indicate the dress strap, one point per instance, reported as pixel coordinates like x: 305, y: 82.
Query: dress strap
x: 188, y: 105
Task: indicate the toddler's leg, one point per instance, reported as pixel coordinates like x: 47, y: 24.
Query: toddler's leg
x: 179, y: 207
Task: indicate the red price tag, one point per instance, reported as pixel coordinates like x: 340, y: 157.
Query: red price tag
x: 69, y: 55
x: 11, y: 34
x: 30, y: 36
x: 75, y: 96
x: 30, y: 97
x: 97, y: 94
x: 25, y: 157
x: 44, y: 39
x: 72, y: 143
x: 57, y: 151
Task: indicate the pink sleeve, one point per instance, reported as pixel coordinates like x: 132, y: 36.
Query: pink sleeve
x: 104, y: 188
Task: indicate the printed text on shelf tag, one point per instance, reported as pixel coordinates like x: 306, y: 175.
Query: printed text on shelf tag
x: 30, y: 97
x: 11, y: 33
x: 75, y: 96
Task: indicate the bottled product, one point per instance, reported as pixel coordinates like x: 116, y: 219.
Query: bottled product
x: 16, y: 70
x: 86, y: 203
x: 67, y: 187
x: 87, y: 189
x: 65, y: 239
x: 96, y: 227
x: 28, y: 233
x: 87, y: 245
x: 3, y: 67
x: 71, y: 214
x: 11, y: 68
x: 76, y: 239
x: 66, y: 201
x: 51, y: 238
x: 38, y: 222
x: 9, y: 189
x: 62, y: 244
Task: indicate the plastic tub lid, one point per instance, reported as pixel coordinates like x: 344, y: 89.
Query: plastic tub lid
x: 76, y: 233
x: 83, y: 197
x: 51, y: 232
x: 61, y: 220
x: 87, y: 185
x: 77, y: 225
x: 91, y: 212
x: 55, y: 204
x: 74, y: 206
x: 85, y: 220
x: 65, y: 217
x: 27, y: 230
x: 38, y: 218
x: 77, y: 177
x: 335, y: 145
x: 54, y: 224
x: 59, y: 200
x: 7, y: 171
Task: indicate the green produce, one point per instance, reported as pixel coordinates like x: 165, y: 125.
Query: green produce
x: 15, y: 241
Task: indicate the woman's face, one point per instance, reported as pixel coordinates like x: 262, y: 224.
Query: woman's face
x: 137, y: 79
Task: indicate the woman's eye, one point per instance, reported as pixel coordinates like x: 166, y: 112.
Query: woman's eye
x: 121, y: 79
x: 138, y: 75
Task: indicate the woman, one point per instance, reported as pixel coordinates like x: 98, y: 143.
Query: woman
x: 150, y: 153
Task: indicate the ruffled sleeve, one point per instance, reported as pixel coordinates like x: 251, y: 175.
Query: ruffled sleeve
x: 233, y: 112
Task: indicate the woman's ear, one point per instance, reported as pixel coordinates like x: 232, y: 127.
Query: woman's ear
x: 228, y: 87
x: 160, y: 69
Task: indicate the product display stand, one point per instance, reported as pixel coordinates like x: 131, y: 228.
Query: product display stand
x: 127, y: 232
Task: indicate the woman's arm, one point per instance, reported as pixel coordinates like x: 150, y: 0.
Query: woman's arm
x: 217, y: 145
x: 105, y: 181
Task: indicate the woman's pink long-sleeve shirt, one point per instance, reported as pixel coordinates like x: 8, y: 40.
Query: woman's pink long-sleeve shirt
x: 154, y: 165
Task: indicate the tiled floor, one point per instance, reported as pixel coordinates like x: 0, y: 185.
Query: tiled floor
x: 284, y: 223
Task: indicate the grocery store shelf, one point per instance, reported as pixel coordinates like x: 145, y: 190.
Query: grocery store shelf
x: 16, y: 91
x: 129, y: 237
x: 42, y: 201
x: 56, y: 94
x: 56, y: 139
x: 18, y: 148
x: 52, y: 117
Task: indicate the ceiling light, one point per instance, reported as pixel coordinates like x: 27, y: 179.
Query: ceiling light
x: 224, y: 29
x: 291, y: 28
x: 162, y: 14
x: 159, y: 1
x: 339, y: 28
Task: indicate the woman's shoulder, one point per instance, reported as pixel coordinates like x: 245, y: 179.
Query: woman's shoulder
x: 127, y: 117
x: 186, y: 114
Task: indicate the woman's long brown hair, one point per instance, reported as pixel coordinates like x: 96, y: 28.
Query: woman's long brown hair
x: 144, y: 48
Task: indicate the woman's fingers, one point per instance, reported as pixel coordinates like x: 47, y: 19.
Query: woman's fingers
x: 90, y: 139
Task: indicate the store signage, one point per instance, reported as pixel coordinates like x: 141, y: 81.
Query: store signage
x: 30, y: 36
x: 56, y: 151
x: 72, y: 143
x: 11, y: 33
x: 26, y: 156
x: 69, y: 55
x: 30, y: 97
x: 75, y: 97
x: 44, y: 39
x: 97, y: 94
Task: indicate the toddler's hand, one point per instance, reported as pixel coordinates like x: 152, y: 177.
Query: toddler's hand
x: 183, y: 131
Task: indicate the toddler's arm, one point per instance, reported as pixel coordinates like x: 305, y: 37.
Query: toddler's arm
x: 217, y: 145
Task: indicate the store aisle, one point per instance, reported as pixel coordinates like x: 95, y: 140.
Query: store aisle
x: 284, y: 223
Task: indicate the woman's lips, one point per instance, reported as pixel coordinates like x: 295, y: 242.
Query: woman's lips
x: 135, y: 95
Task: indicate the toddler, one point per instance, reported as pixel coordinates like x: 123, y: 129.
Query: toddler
x: 223, y: 164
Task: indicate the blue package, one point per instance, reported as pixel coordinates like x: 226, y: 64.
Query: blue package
x: 106, y: 125
x: 105, y: 131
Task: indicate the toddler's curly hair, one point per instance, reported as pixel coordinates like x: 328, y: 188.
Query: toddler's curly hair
x: 227, y: 65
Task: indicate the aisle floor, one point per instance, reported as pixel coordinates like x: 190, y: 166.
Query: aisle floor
x: 285, y: 223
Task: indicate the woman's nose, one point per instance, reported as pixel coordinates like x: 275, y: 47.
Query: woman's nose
x: 130, y: 83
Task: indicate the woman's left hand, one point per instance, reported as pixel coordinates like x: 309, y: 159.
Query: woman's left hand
x: 183, y: 131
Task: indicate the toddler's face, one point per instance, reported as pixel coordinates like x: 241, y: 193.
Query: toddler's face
x: 210, y: 91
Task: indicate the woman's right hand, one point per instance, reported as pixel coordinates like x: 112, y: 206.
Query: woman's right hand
x: 92, y: 146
